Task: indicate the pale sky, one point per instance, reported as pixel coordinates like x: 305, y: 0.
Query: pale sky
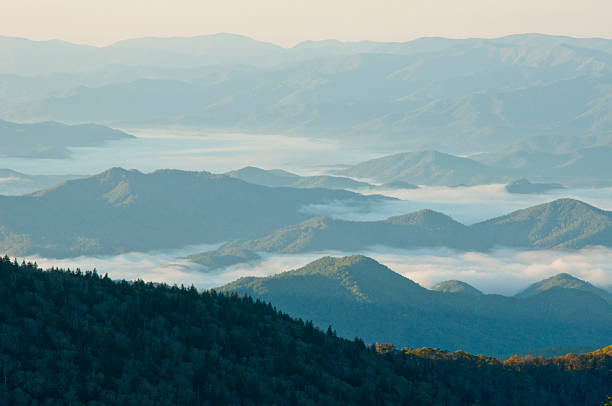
x: 286, y: 22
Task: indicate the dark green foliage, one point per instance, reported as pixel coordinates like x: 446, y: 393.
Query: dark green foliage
x: 360, y: 297
x: 79, y: 338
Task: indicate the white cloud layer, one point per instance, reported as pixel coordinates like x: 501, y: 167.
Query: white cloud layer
x: 503, y: 271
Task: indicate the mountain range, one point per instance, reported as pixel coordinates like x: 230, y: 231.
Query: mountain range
x: 126, y: 210
x: 560, y: 224
x: 453, y: 95
x: 425, y: 168
x: 544, y: 161
x: 361, y: 297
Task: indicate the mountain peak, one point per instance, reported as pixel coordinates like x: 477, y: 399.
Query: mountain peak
x: 352, y: 278
x: 563, y: 281
x: 562, y: 223
x: 329, y: 265
x: 458, y: 287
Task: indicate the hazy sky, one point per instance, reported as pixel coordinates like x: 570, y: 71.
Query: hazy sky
x: 287, y: 22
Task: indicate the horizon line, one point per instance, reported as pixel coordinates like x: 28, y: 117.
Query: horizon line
x: 225, y: 33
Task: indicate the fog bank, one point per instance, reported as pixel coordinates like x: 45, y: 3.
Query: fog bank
x: 503, y: 271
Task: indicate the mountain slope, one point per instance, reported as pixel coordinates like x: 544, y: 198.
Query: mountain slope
x: 361, y: 297
x: 563, y: 223
x: 120, y: 210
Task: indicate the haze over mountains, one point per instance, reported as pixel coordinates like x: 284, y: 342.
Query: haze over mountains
x: 361, y: 297
x: 432, y: 93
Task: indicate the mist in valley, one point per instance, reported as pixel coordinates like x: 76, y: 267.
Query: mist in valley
x: 502, y: 271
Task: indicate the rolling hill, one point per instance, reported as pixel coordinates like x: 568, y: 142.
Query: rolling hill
x: 425, y: 228
x: 125, y: 210
x: 361, y: 297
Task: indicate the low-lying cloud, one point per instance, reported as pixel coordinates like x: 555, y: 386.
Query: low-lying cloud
x: 503, y: 271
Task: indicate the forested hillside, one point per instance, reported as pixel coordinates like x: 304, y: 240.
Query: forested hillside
x: 81, y: 338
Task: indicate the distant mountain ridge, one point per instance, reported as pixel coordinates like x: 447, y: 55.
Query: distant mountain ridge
x: 126, y: 210
x: 523, y: 186
x: 424, y: 228
x: 424, y: 168
x: 361, y: 297
x: 560, y: 224
x: 50, y: 139
x: 563, y: 223
x: 550, y: 161
x: 432, y: 93
x: 279, y: 178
